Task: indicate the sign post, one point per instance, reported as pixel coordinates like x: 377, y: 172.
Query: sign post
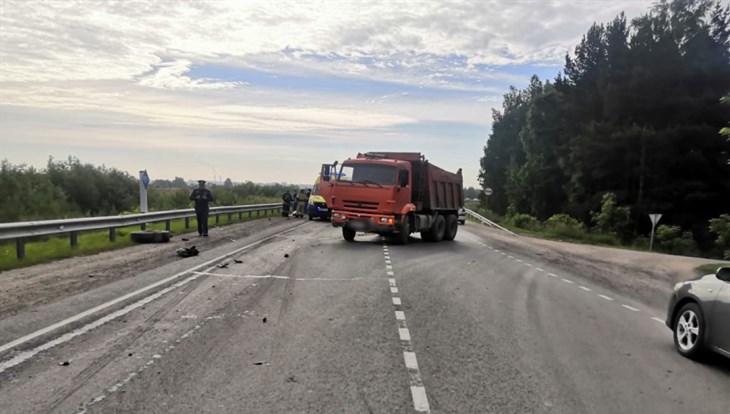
x: 144, y: 181
x: 654, y: 220
x: 487, y: 193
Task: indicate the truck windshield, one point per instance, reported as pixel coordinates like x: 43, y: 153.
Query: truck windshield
x: 367, y: 174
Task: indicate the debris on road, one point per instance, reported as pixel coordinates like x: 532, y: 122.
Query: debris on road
x: 184, y: 239
x: 238, y: 261
x: 64, y: 363
x: 260, y: 363
x: 286, y: 255
x: 264, y: 319
x: 222, y: 265
x: 187, y: 251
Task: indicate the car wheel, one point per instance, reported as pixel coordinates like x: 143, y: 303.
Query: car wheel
x: 689, y: 331
x: 348, y: 234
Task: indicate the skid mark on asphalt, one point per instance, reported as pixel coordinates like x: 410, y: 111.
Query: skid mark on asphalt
x: 553, y: 275
x: 418, y: 391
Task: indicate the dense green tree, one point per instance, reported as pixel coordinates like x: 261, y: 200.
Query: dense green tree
x: 635, y: 113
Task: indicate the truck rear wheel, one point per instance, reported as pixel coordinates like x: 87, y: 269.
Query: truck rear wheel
x: 452, y: 226
x: 348, y: 234
x: 437, y: 230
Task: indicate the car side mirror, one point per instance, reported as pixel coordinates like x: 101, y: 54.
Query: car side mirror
x: 723, y: 273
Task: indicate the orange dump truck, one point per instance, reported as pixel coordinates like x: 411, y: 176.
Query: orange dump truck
x: 396, y: 193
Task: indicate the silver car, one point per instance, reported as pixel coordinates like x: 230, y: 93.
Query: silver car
x: 699, y: 315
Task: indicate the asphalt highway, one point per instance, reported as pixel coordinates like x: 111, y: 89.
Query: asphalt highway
x: 308, y: 323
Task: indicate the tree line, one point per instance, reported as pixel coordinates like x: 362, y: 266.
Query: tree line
x: 634, y: 116
x: 70, y: 188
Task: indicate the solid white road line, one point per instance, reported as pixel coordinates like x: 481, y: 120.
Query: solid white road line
x: 606, y: 297
x: 631, y: 308
x: 122, y: 298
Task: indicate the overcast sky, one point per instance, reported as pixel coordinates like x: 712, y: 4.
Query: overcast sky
x: 267, y: 91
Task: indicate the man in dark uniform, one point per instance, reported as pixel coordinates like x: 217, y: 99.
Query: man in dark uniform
x: 287, y: 199
x: 202, y: 196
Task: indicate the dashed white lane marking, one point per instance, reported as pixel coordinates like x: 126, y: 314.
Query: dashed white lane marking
x: 539, y: 270
x: 29, y: 354
x: 418, y: 391
x: 631, y: 308
x: 405, y: 334
x: 410, y: 358
x: 585, y: 288
x: 389, y: 267
x: 528, y: 264
x: 387, y: 262
x: 420, y: 401
x: 606, y: 297
x: 511, y: 257
x: 520, y: 260
x: 552, y: 275
x: 657, y: 320
x: 567, y: 281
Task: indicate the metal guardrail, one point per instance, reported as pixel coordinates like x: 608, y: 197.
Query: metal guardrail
x: 22, y: 231
x: 486, y: 221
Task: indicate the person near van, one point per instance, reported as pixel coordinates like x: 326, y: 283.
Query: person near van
x: 202, y: 196
x: 287, y: 199
x: 301, y: 203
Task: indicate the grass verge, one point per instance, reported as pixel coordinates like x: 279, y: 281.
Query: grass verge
x: 709, y: 268
x: 47, y: 249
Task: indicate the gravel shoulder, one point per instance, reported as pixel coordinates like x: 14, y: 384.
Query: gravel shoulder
x: 27, y: 288
x: 646, y: 276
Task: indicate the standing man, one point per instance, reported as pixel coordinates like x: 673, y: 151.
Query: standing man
x: 287, y: 198
x: 202, y: 196
x: 301, y: 203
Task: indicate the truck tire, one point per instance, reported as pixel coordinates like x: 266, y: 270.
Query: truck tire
x: 452, y: 226
x: 348, y: 234
x: 405, y: 232
x: 437, y: 230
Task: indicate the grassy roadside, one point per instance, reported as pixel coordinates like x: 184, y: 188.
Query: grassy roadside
x: 709, y: 268
x: 47, y: 249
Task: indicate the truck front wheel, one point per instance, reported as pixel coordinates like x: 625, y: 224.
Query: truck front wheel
x: 348, y: 234
x: 405, y: 232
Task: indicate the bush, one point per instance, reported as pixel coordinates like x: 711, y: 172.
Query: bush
x: 672, y: 240
x: 524, y: 221
x: 565, y: 226
x: 721, y: 227
x: 613, y: 219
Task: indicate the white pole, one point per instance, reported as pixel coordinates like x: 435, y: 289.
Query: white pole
x: 651, y: 241
x: 143, y: 181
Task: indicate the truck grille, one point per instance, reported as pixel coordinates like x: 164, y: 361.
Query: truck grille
x: 360, y: 205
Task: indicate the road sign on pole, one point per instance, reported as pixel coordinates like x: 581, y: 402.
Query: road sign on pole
x: 144, y: 181
x: 654, y: 220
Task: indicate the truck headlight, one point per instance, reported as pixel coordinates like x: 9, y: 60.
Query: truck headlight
x: 383, y: 219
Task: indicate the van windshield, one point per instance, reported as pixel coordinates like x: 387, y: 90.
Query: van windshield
x: 367, y: 174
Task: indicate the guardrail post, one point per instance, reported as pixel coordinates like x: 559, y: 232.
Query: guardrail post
x: 74, y: 239
x: 258, y: 213
x: 187, y: 222
x: 230, y: 217
x: 240, y: 215
x: 250, y: 214
x: 167, y: 225
x: 143, y: 226
x: 112, y: 234
x: 217, y: 218
x: 20, y: 248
